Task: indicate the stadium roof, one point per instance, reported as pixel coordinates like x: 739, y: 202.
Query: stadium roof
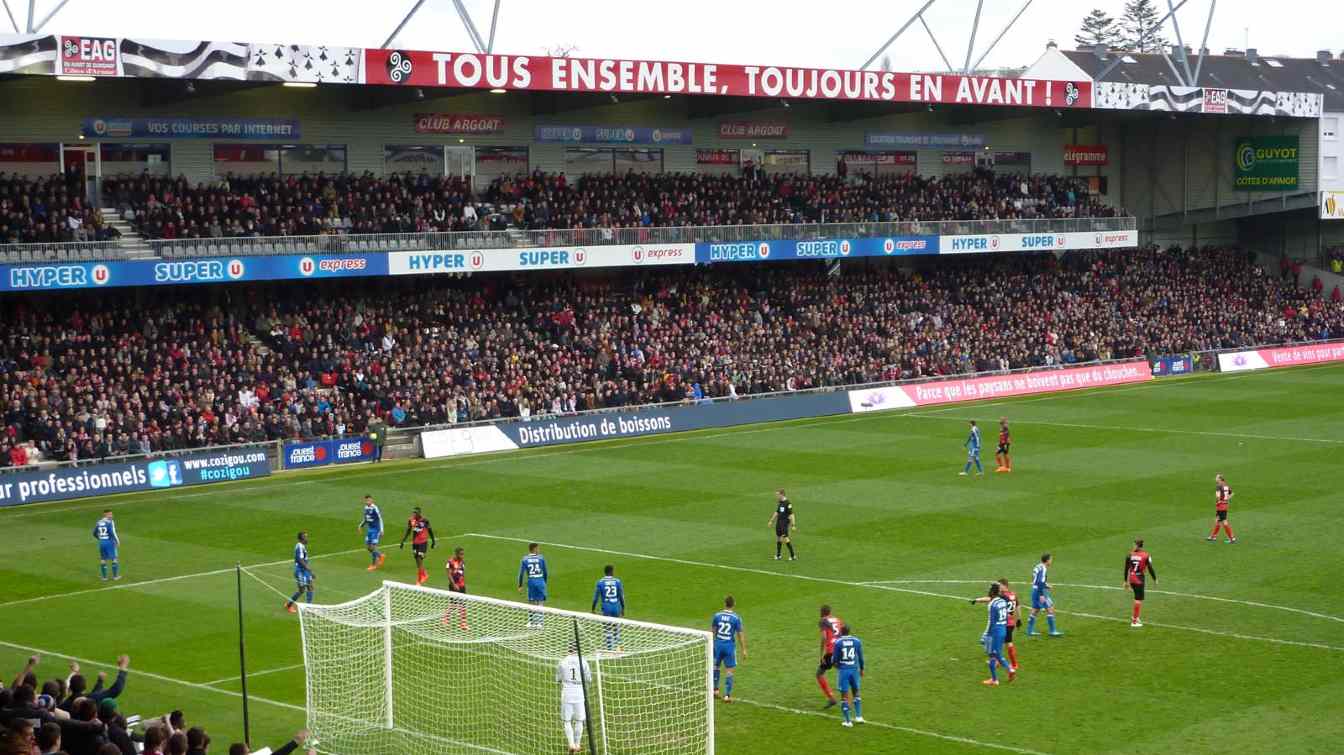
x: 1235, y: 69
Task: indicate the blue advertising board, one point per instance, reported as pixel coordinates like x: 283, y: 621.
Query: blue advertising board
x: 1175, y: 365
x: 547, y: 432
x: 320, y: 453
x: 901, y: 139
x: 106, y: 479
x: 68, y: 275
x: 189, y: 128
x: 611, y: 135
x: 764, y: 251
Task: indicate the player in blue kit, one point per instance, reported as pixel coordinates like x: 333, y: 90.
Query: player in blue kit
x: 848, y: 658
x: 372, y: 524
x: 726, y: 626
x: 611, y: 594
x: 105, y: 532
x: 996, y: 632
x: 972, y: 445
x: 303, y: 574
x: 532, y: 571
x: 1041, y: 598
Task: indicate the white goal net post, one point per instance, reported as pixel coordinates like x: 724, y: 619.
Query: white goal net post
x: 409, y: 670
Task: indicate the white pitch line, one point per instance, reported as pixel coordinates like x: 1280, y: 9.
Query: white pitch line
x: 1196, y: 596
x: 828, y: 580
x: 252, y: 674
x: 1158, y: 430
x: 893, y: 727
x: 156, y: 677
x: 163, y: 580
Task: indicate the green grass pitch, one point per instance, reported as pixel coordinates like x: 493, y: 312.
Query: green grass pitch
x: 1242, y: 651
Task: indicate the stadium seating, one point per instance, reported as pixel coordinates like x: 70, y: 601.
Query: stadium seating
x: 95, y: 376
x: 313, y: 206
x: 43, y: 212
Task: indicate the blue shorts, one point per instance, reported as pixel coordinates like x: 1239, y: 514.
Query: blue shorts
x: 973, y: 453
x: 725, y: 654
x: 612, y: 612
x: 1040, y: 599
x: 993, y: 640
x: 536, y: 590
x: 849, y: 680
x: 107, y: 550
x: 371, y: 537
x: 303, y: 578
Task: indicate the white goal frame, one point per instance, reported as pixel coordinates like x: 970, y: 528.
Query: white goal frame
x: 387, y: 622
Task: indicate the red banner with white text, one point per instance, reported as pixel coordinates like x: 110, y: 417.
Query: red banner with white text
x: 526, y: 72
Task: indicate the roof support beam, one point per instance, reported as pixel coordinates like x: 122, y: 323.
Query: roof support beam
x: 469, y: 26
x: 1204, y: 45
x: 1180, y: 46
x: 919, y: 13
x: 975, y: 26
x: 936, y: 46
x: 995, y: 43
x: 47, y: 17
x: 494, y: 21
x: 10, y: 13
x: 1142, y: 38
x: 388, y: 42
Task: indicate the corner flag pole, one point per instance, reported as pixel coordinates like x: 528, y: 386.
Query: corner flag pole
x: 242, y: 655
x: 583, y: 682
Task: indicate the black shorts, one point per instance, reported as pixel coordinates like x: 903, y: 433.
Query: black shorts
x: 1138, y: 590
x: 1222, y: 515
x: 1003, y: 448
x: 420, y: 549
x: 781, y: 532
x: 454, y: 588
x: 1008, y: 637
x: 827, y: 663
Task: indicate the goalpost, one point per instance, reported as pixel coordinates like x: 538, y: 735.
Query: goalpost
x: 410, y: 670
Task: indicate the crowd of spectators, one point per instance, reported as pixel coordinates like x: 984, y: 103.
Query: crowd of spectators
x: 168, y: 208
x: 98, y: 376
x: 48, y: 210
x: 541, y: 201
x: 172, y: 208
x: 64, y: 716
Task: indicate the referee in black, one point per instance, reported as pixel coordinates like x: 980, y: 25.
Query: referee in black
x: 784, y: 525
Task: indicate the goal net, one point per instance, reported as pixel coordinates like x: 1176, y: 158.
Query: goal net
x: 412, y: 670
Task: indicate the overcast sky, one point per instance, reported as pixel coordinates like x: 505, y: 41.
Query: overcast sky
x: 827, y: 33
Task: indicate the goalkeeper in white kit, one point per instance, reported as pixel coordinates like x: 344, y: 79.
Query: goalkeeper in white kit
x: 573, y: 715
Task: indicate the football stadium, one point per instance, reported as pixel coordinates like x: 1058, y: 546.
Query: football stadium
x: 383, y: 400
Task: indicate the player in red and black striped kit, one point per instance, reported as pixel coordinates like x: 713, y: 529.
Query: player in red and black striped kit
x: 422, y: 541
x: 457, y: 582
x: 1223, y: 495
x: 1001, y: 453
x: 1136, y: 563
x: 830, y: 632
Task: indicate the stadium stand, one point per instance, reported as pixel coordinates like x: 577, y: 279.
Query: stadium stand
x: 64, y: 715
x: 311, y: 206
x: 92, y: 376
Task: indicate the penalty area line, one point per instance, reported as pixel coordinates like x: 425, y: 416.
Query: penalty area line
x: 164, y: 580
x: 1195, y: 596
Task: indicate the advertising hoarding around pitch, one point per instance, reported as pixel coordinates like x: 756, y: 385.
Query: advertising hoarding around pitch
x: 65, y: 483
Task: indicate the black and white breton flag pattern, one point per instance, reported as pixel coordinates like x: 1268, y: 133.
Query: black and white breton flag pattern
x: 241, y: 61
x: 31, y: 54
